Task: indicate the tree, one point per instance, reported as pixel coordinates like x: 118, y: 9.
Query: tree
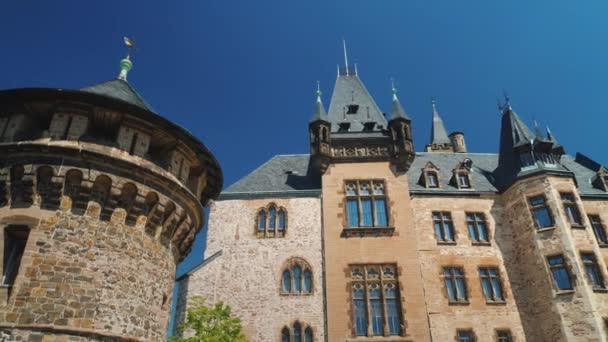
x: 210, y: 324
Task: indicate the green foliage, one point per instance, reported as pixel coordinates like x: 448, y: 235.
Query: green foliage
x: 210, y: 324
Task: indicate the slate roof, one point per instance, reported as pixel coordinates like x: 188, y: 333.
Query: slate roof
x: 121, y: 90
x: 281, y: 175
x: 397, y: 110
x: 287, y: 175
x: 438, y: 133
x: 349, y: 90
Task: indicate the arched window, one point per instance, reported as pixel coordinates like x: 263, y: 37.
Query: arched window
x: 50, y: 195
x: 271, y: 221
x: 21, y: 189
x: 296, y: 277
x: 297, y: 332
x: 294, y: 334
x: 281, y: 219
x: 262, y: 220
x: 308, y: 335
x: 101, y: 189
x: 127, y: 196
x: 150, y: 202
x: 73, y: 181
x: 286, y: 281
x: 307, y: 281
x: 285, y: 335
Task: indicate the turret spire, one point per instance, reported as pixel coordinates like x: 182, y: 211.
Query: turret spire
x: 438, y: 133
x: 397, y: 111
x: 125, y: 64
x: 319, y: 111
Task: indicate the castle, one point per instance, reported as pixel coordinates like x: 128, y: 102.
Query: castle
x: 365, y: 239
x: 100, y: 198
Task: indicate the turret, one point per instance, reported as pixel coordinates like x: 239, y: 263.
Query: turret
x: 458, y: 143
x: 319, y: 129
x: 440, y: 142
x: 400, y: 125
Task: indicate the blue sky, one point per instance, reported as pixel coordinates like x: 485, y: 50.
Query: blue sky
x: 241, y: 75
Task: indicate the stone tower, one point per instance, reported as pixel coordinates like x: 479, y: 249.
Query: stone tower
x: 100, y: 198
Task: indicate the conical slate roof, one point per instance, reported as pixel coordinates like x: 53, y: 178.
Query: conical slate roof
x: 438, y: 133
x: 319, y: 112
x: 351, y: 103
x: 397, y: 111
x: 121, y: 90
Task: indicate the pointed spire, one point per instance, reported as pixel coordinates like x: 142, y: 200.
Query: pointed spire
x: 551, y: 139
x: 319, y: 111
x: 125, y: 64
x: 537, y: 131
x: 397, y: 111
x: 438, y: 133
x: 345, y: 55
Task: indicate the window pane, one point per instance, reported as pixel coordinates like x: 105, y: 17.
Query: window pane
x: 307, y: 281
x: 364, y: 188
x: 504, y: 336
x: 353, y: 213
x: 378, y: 188
x: 537, y: 200
x: 351, y: 189
x: 543, y: 218
x: 360, y: 312
x: 439, y: 231
x: 473, y: 232
x: 286, y: 281
x: 462, y: 293
x: 297, y: 332
x: 393, y: 316
x: 262, y: 220
x: 465, y: 336
x: 376, y: 312
x: 573, y: 215
x: 281, y: 219
x: 449, y: 231
x: 381, y: 217
x: 285, y: 335
x: 562, y: 280
x: 366, y: 207
x: 297, y: 279
x: 271, y: 218
x: 497, y: 288
x: 14, y: 246
x: 556, y: 260
x: 483, y: 231
x: 487, y: 288
x: 598, y: 229
x: 449, y: 285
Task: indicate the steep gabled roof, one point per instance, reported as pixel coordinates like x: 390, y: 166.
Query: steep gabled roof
x: 350, y: 91
x: 121, y: 90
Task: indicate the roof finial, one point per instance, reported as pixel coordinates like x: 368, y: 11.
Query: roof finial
x: 345, y: 55
x: 434, y: 105
x: 507, y: 100
x: 318, y: 92
x: 125, y: 64
x: 393, y: 89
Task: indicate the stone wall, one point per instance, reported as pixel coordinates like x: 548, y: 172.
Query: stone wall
x: 478, y: 315
x: 550, y: 314
x: 247, y: 274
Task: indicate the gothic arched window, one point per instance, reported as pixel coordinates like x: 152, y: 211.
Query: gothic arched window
x: 296, y: 277
x: 271, y: 221
x: 294, y: 333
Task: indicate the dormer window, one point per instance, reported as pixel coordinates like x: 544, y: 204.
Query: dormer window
x: 352, y: 109
x: 463, y: 180
x: 368, y: 126
x: 344, y: 127
x: 431, y: 180
x: 430, y: 176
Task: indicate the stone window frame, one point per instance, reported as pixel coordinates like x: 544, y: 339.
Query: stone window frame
x: 598, y: 268
x: 476, y: 222
x: 267, y: 232
x: 566, y: 266
x: 500, y: 282
x: 426, y: 172
x: 540, y: 206
x: 304, y: 267
x: 364, y: 280
x: 595, y: 220
x: 457, y: 172
x: 374, y: 229
x: 304, y: 328
x: 443, y: 221
x: 457, y: 301
x: 22, y: 221
x: 469, y: 330
x: 570, y: 206
x: 498, y: 338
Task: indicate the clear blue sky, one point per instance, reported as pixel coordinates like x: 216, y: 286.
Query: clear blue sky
x: 241, y: 74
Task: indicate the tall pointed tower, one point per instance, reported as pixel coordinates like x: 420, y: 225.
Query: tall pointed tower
x: 101, y: 199
x: 440, y: 140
